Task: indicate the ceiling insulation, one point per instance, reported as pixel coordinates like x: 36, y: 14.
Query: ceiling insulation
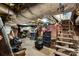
x: 43, y: 9
x: 37, y: 11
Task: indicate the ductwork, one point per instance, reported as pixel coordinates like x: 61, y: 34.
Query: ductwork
x: 5, y: 10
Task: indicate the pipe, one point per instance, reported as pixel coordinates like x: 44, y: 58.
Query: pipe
x: 6, y: 39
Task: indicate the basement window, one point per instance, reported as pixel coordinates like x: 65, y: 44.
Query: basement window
x: 65, y: 16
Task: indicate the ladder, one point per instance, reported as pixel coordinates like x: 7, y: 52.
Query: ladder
x: 66, y: 45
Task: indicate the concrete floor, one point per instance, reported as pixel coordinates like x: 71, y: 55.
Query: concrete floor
x: 32, y: 51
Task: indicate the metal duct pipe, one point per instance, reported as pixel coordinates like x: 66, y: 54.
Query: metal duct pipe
x: 5, y: 10
x: 6, y: 39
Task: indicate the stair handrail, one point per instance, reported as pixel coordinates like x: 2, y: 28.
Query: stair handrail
x: 73, y: 29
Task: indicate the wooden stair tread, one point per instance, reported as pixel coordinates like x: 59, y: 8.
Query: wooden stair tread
x: 64, y: 34
x: 65, y: 42
x: 69, y: 49
x: 65, y: 27
x: 65, y: 24
x: 65, y: 38
x: 60, y: 53
x: 66, y: 31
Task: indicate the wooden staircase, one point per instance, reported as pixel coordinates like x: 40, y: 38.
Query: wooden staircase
x: 66, y: 45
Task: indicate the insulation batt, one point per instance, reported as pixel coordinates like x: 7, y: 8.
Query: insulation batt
x: 54, y: 30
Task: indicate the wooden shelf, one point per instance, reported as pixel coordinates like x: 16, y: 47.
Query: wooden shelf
x: 65, y: 42
x: 69, y: 49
